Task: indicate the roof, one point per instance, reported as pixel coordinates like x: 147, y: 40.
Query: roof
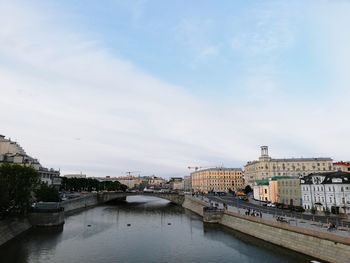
x: 262, y: 182
x: 337, y: 178
x: 293, y: 160
x: 342, y: 163
x: 329, y: 178
x: 219, y: 169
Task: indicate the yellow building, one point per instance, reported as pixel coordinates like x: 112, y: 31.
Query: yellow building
x: 217, y: 180
x: 267, y: 167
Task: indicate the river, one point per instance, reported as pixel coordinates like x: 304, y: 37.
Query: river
x: 144, y: 229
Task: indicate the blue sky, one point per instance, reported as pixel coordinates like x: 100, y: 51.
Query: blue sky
x: 106, y: 87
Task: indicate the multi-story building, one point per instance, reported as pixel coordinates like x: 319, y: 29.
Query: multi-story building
x: 342, y: 166
x: 289, y: 191
x: 156, y: 181
x: 326, y: 192
x: 176, y: 183
x: 187, y: 183
x: 12, y: 152
x: 267, y: 167
x: 80, y: 175
x: 217, y: 180
x: 278, y: 189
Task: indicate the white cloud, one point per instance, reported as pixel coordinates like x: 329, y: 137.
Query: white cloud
x: 74, y: 105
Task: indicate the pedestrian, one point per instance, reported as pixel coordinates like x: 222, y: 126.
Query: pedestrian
x: 260, y: 214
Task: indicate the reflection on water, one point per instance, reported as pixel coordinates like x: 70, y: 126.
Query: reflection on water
x: 145, y: 229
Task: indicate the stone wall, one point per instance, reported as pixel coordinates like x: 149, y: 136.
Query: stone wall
x: 46, y: 219
x: 325, y: 246
x: 80, y: 203
x: 13, y: 228
x: 194, y: 205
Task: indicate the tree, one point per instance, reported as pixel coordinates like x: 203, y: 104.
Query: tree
x: 17, y: 184
x: 248, y: 189
x: 47, y: 194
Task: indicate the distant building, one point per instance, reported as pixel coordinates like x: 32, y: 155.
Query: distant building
x: 156, y: 181
x: 289, y: 191
x: 326, y: 191
x: 75, y: 175
x: 267, y: 167
x: 130, y: 181
x: 176, y: 183
x: 342, y: 166
x: 217, y: 180
x: 187, y: 183
x: 278, y: 189
x: 12, y: 152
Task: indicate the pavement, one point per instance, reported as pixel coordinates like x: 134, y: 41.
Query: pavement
x: 306, y: 221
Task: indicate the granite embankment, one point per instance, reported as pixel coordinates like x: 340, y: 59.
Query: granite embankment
x: 325, y: 246
x: 9, y: 229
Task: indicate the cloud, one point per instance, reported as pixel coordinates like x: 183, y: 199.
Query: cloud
x: 58, y: 83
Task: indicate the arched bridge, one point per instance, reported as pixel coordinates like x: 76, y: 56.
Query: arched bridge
x: 176, y: 198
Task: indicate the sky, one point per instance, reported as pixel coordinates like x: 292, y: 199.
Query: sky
x: 153, y: 86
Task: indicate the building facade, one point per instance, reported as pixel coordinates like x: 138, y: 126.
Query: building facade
x: 12, y: 152
x: 176, y: 184
x: 342, y: 167
x: 289, y: 191
x: 217, y: 180
x: 187, y: 183
x: 295, y: 167
x: 326, y: 192
x: 278, y: 189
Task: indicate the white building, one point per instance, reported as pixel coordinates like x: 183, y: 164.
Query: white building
x: 295, y: 167
x: 12, y: 152
x: 81, y: 175
x: 329, y: 191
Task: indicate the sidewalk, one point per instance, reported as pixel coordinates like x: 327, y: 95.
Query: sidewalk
x: 302, y: 223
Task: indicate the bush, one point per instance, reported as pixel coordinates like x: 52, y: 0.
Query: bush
x: 47, y: 194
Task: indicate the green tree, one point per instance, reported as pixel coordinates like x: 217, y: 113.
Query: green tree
x: 17, y: 185
x: 248, y: 189
x: 47, y: 194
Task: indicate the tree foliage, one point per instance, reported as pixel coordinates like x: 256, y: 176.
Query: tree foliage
x: 47, y: 194
x: 248, y: 189
x: 16, y: 187
x: 89, y: 184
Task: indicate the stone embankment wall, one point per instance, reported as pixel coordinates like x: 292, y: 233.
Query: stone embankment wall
x: 13, y: 228
x: 194, y: 205
x: 80, y: 203
x: 325, y: 246
x: 46, y: 219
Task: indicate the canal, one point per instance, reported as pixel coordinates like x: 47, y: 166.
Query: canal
x: 144, y: 229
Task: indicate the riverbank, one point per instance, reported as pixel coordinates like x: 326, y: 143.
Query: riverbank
x: 10, y: 229
x: 325, y: 246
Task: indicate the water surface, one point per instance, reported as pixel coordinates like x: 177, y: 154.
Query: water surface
x: 145, y: 229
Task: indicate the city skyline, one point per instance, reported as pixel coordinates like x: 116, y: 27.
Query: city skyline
x: 105, y: 88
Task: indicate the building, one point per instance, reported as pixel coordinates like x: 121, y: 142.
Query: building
x: 12, y: 152
x: 187, y: 183
x: 217, y: 180
x: 289, y: 191
x: 295, y: 167
x: 342, y: 166
x: 130, y: 181
x: 326, y: 192
x: 156, y: 181
x: 75, y: 175
x: 261, y: 190
x: 278, y: 189
x: 176, y: 183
